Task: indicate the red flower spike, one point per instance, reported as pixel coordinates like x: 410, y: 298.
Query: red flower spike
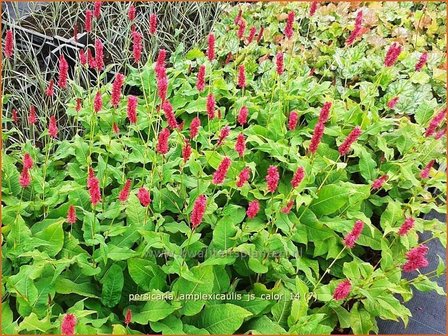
x: 32, y: 115
x: 242, y: 115
x: 137, y: 47
x: 241, y: 76
x: 88, y: 21
x: 440, y: 134
x: 169, y: 114
x: 14, y: 116
x: 243, y: 177
x: 344, y: 148
x: 50, y: 88
x: 124, y: 193
x: 78, y: 104
x: 128, y: 317
x: 210, y: 106
x: 68, y: 325
x: 131, y: 13
x: 260, y: 35
x: 93, y: 185
x: 25, y: 178
x: 152, y: 24
x: 115, y: 128
x: 238, y: 17
x: 221, y: 172
x: 342, y: 290
x: 391, y: 103
x: 97, y: 9
x: 272, y: 178
x: 378, y: 183
x: 351, y: 238
x: 253, y: 209
x: 424, y: 174
x: 27, y: 161
x: 63, y: 72
x: 240, y: 145
x: 116, y: 89
x: 225, y: 131
x: 186, y: 150
x: 251, y: 36
x: 416, y: 258
x: 71, y: 215
x: 435, y: 122
x: 132, y: 109
x: 199, y: 208
x: 200, y: 83
x: 162, y: 144
x: 325, y: 112
x: 421, y: 61
x: 292, y: 120
x: 317, y: 136
x: 298, y: 177
x: 407, y: 225
x: 392, y: 54
x: 99, y: 55
x: 144, y: 197
x: 194, y: 127
x: 98, y: 102
x: 279, y: 63
x: 287, y: 209
x: 289, y: 23
x: 211, y: 47
x: 52, y: 127
x: 313, y: 8
x: 241, y: 28
x: 9, y: 44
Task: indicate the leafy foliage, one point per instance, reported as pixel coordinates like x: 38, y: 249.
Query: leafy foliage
x: 276, y: 272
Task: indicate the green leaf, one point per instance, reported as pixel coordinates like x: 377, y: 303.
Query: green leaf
x: 52, y: 238
x: 263, y: 325
x: 153, y: 310
x: 391, y: 215
x: 66, y: 286
x: 186, y: 288
x: 168, y: 326
x: 330, y: 199
x: 146, y: 274
x: 367, y: 165
x: 112, y: 286
x: 223, y: 318
x: 361, y: 321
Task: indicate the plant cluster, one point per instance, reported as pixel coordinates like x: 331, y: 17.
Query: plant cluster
x: 273, y: 181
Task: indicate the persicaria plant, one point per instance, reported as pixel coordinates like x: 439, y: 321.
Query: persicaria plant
x: 273, y: 179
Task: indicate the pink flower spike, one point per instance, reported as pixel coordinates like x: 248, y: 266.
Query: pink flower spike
x: 131, y: 12
x: 342, y: 290
x: 298, y: 177
x: 186, y: 150
x: 325, y: 112
x: 25, y: 178
x: 351, y: 238
x: 252, y: 209
x: 392, y: 54
x: 344, y: 148
x: 50, y: 89
x: 241, y: 76
x: 52, y: 127
x: 292, y: 120
x: 88, y: 21
x: 68, y: 325
x: 407, y: 225
x: 71, y: 215
x: 116, y: 89
x: 317, y: 136
x: 313, y: 8
x: 416, y: 258
x: 435, y: 122
x: 279, y: 63
x: 424, y: 174
x: 63, y: 72
x: 221, y: 172
x: 243, y: 177
x: 240, y: 145
x: 287, y: 209
x: 144, y: 197
x: 124, y: 193
x: 211, y: 47
x: 272, y: 178
x: 169, y: 114
x: 97, y: 9
x: 9, y: 44
x: 27, y: 161
x: 211, y: 106
x: 391, y: 103
x: 98, y: 102
x: 162, y: 144
x: 251, y: 36
x: 200, y: 83
x: 421, y: 61
x: 128, y: 317
x: 289, y: 23
x: 225, y: 131
x: 242, y: 115
x: 194, y: 127
x: 378, y: 183
x: 199, y: 208
x: 132, y: 109
x: 32, y: 115
x: 152, y: 24
x: 99, y: 55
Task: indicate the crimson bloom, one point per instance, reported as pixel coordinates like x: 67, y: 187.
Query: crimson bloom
x: 128, y: 317
x: 253, y: 209
x: 63, y: 72
x: 241, y: 76
x: 342, y: 290
x: 238, y: 17
x: 298, y: 177
x: 351, y: 238
x: 115, y: 128
x: 32, y: 115
x: 357, y: 30
x: 225, y: 131
x: 243, y: 177
x: 435, y: 122
x: 71, y: 215
x: 97, y: 9
x: 251, y: 36
x: 344, y: 148
x: 194, y: 127
x: 137, y: 46
x: 27, y: 161
x: 131, y: 12
x: 279, y: 63
x: 68, y: 325
x: 260, y: 34
x: 378, y: 183
x: 132, y: 109
x: 221, y: 172
x: 440, y: 133
x: 421, y: 61
x: 162, y: 144
x: 292, y: 120
x: 242, y: 115
x: 272, y: 178
x: 78, y: 104
x: 199, y: 208
x: 144, y: 197
x: 286, y: 209
x: 313, y: 8
x: 52, y: 127
x: 416, y: 258
x: 407, y: 225
x: 93, y: 185
x: 424, y: 174
x: 240, y: 145
x: 88, y: 21
x: 49, y: 91
x: 211, y: 47
x: 325, y: 112
x: 169, y: 114
x: 25, y: 178
x: 91, y: 59
x: 152, y: 24
x: 124, y: 193
x: 116, y: 89
x: 392, y: 54
x: 98, y: 102
x: 391, y: 103
x: 99, y: 55
x: 9, y: 44
x: 210, y: 106
x: 241, y: 28
x: 317, y: 136
x: 289, y: 23
x: 186, y: 150
x: 14, y: 116
x: 200, y: 83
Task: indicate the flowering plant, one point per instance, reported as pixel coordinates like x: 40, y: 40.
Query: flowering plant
x: 242, y: 186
